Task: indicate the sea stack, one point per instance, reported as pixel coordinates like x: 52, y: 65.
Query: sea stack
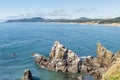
x: 60, y: 59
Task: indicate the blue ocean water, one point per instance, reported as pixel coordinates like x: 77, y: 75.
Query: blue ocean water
x: 23, y: 39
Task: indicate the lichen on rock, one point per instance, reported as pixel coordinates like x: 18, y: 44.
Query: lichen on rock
x: 113, y: 73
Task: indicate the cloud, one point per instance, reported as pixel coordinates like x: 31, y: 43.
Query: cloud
x: 61, y: 13
x: 53, y: 14
x: 58, y: 13
x: 93, y: 10
x: 82, y: 10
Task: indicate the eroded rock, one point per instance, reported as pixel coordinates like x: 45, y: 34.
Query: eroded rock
x: 60, y: 59
x: 27, y: 75
x: 98, y: 66
x: 104, y: 56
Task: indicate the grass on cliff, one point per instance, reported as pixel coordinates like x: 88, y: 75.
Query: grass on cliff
x: 113, y: 72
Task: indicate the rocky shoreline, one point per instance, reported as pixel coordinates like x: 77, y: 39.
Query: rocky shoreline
x: 64, y: 60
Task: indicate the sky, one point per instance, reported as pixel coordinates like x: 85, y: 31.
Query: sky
x: 54, y: 9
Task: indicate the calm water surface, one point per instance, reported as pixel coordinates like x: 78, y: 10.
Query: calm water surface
x: 26, y: 38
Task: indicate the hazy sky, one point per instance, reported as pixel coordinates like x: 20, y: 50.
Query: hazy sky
x: 59, y: 8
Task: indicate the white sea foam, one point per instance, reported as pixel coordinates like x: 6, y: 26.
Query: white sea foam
x: 35, y: 55
x: 83, y: 57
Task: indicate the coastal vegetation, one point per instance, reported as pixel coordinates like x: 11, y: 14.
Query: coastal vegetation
x: 113, y: 73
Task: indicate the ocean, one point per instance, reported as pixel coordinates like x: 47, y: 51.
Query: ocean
x: 19, y: 40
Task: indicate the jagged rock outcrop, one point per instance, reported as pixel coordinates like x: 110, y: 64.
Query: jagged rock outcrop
x: 91, y: 66
x: 98, y: 66
x: 60, y: 59
x: 63, y: 60
x: 104, y: 56
x: 27, y: 75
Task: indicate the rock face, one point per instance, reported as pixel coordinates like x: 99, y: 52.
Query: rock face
x: 27, y: 75
x: 63, y: 60
x: 91, y: 66
x: 104, y: 56
x: 60, y: 59
x: 98, y: 66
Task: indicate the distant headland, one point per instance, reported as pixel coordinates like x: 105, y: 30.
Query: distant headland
x: 82, y: 20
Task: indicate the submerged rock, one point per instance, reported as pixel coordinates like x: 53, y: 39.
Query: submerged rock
x: 77, y: 77
x: 27, y: 75
x: 80, y: 77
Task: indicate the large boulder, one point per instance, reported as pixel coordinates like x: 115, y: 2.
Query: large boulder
x: 27, y: 75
